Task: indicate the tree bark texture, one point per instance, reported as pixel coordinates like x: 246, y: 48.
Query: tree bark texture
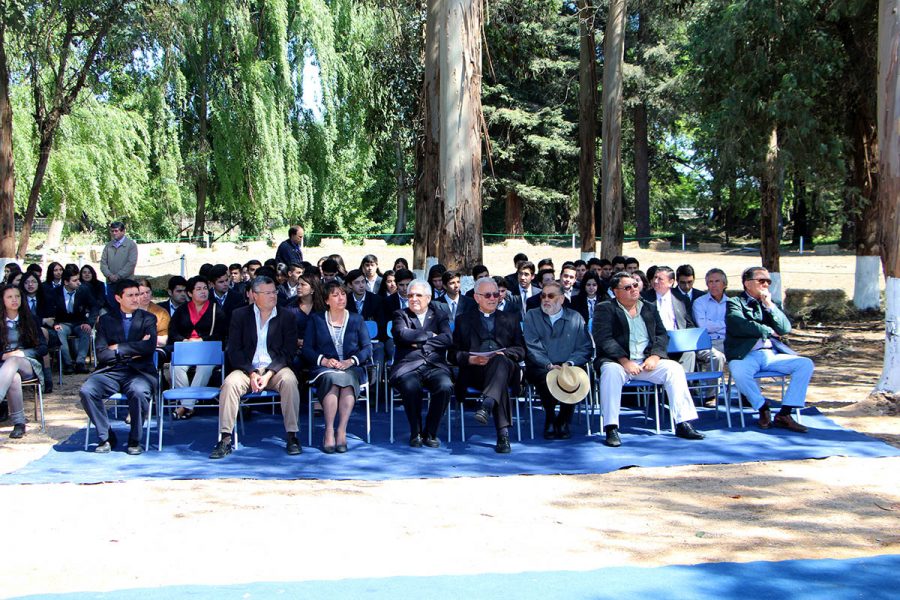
x: 612, y: 223
x: 587, y: 125
x: 889, y: 184
x: 424, y: 237
x: 769, y: 194
x: 460, y: 243
x: 513, y: 217
x: 641, y: 175
x: 642, y: 152
x: 7, y: 162
x: 402, y: 192
x: 201, y: 187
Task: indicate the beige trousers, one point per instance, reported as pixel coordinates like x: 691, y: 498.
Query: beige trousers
x: 238, y: 383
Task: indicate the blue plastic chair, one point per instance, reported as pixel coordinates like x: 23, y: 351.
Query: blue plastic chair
x: 692, y: 340
x: 191, y: 354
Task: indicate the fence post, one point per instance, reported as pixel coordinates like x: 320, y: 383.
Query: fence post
x: 801, y: 245
x: 682, y: 242
x: 182, y: 265
x: 573, y: 241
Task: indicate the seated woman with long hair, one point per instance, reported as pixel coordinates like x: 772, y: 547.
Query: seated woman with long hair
x: 337, y: 346
x: 388, y: 285
x: 23, y: 347
x: 197, y: 320
x: 43, y: 311
x: 54, y: 277
x: 586, y: 301
x: 307, y: 301
x: 88, y: 277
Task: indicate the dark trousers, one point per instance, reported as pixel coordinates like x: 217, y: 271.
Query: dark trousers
x: 494, y: 380
x: 538, y: 378
x: 137, y: 388
x: 411, y: 387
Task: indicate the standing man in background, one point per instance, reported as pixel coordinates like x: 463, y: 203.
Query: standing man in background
x: 289, y: 251
x: 119, y: 259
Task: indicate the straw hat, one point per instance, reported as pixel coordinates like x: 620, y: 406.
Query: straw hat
x: 569, y: 384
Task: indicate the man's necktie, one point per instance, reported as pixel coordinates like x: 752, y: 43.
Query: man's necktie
x: 70, y: 302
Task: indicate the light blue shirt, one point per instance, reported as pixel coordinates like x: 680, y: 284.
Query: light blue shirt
x: 710, y: 315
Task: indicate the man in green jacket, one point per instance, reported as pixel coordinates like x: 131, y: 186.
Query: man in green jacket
x: 753, y: 329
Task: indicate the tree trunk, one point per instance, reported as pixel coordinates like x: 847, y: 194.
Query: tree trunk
x: 889, y: 184
x: 7, y: 161
x: 460, y: 244
x: 428, y: 154
x: 54, y: 232
x: 34, y: 195
x: 768, y: 220
x: 402, y: 194
x: 612, y: 228
x: 203, y: 151
x: 587, y: 127
x: 863, y: 136
x: 513, y: 217
x: 800, y: 214
x: 642, y: 152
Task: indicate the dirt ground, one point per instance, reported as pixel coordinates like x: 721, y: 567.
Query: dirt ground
x: 137, y: 534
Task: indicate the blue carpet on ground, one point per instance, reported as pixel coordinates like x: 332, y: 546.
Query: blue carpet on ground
x: 872, y: 578
x: 261, y: 456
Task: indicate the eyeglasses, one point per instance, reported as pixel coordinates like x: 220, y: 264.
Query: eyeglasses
x: 549, y: 296
x: 625, y: 288
x: 490, y: 295
x: 766, y: 281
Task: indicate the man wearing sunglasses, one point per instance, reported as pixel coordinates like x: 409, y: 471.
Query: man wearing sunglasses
x: 489, y: 347
x: 753, y: 329
x: 631, y: 344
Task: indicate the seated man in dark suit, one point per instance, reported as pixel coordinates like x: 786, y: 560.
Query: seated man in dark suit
x: 631, y: 344
x: 262, y: 341
x: 554, y: 336
x: 672, y: 311
x: 221, y: 292
x: 76, y: 313
x: 369, y: 306
x: 421, y: 338
x: 177, y: 290
x: 454, y: 303
x: 489, y: 347
x: 126, y: 341
x: 684, y: 289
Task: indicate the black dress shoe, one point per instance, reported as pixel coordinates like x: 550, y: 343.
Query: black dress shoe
x: 134, y: 450
x: 4, y: 410
x: 68, y: 370
x: 549, y: 434
x: 17, y: 432
x: 686, y: 430
x: 481, y: 416
x: 328, y: 449
x: 563, y: 433
x: 612, y: 438
x: 415, y: 441
x: 103, y: 448
x: 503, y: 446
x: 341, y: 448
x: 432, y: 441
x: 293, y: 445
x: 222, y: 449
x: 81, y: 368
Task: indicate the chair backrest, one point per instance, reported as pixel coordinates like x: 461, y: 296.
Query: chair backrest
x: 187, y: 354
x: 689, y: 340
x: 390, y: 329
x: 372, y: 326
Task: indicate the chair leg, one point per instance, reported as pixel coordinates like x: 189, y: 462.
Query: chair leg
x: 312, y: 414
x: 389, y: 401
x: 368, y: 417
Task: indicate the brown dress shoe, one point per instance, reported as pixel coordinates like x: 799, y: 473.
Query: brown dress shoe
x: 787, y: 422
x: 765, y: 417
